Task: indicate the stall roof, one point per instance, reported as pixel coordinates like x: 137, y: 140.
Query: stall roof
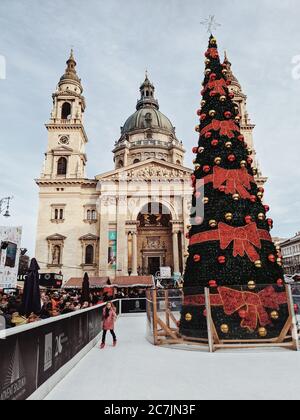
x: 101, y: 282
x: 95, y: 282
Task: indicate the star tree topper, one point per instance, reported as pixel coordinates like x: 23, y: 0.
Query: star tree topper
x: 211, y: 24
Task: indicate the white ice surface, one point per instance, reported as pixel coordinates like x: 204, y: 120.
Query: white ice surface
x: 138, y: 370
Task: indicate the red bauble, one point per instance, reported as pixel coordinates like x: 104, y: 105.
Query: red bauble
x: 272, y: 258
x: 208, y: 135
x: 253, y: 198
x: 231, y: 158
x: 241, y: 138
x: 202, y: 117
x: 202, y: 92
x: 222, y: 259
x: 215, y: 143
x: 280, y: 282
x: 213, y: 283
x: 270, y: 222
x: 250, y: 161
x: 205, y: 313
x: 197, y: 258
x: 222, y: 189
x: 187, y: 236
x: 242, y: 314
x: 195, y: 150
x: 206, y: 169
x: 248, y: 219
x: 199, y: 112
x: 227, y: 114
x: 262, y: 190
x: 228, y: 82
x: 296, y: 308
x: 213, y: 93
x: 213, y: 76
x: 267, y: 208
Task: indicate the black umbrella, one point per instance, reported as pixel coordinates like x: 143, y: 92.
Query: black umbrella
x: 85, y: 294
x: 31, y: 302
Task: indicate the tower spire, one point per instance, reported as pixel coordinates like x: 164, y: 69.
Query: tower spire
x: 147, y: 90
x: 70, y: 72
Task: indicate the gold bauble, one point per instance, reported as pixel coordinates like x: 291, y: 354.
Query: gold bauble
x: 207, y: 71
x: 218, y: 160
x: 225, y: 329
x: 197, y: 166
x: 207, y: 61
x: 225, y: 72
x: 237, y: 118
x: 275, y: 315
x: 203, y: 103
x: 260, y: 195
x: 279, y: 261
x: 228, y: 144
x: 243, y: 164
x: 261, y: 216
x: 213, y: 223
x: 212, y: 113
x: 228, y: 217
x: 222, y: 98
x: 197, y: 129
x: 258, y: 264
x: 236, y: 197
x: 262, y: 332
x: 188, y: 317
x: 205, y: 200
x: 255, y: 171
x: 251, y: 285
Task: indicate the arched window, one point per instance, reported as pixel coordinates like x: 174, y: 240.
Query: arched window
x: 120, y: 164
x: 88, y: 215
x: 136, y: 161
x: 89, y: 255
x: 94, y: 215
x: 61, y: 214
x: 66, y: 111
x: 62, y: 166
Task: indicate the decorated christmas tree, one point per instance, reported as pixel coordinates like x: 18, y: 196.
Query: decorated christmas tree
x: 231, y: 250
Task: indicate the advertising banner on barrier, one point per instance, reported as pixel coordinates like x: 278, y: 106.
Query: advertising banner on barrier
x: 30, y: 358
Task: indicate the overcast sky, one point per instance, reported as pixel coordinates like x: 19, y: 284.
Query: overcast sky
x: 114, y: 42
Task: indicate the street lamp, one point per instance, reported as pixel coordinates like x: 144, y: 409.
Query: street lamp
x: 4, y: 206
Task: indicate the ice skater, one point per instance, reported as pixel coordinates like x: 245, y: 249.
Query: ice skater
x: 109, y: 319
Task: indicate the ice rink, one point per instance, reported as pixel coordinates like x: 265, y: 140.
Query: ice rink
x: 137, y: 370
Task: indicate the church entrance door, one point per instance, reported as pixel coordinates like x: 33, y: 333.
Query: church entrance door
x: 154, y: 265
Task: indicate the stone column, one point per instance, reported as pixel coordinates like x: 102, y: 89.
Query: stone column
x: 122, y: 239
x: 175, y: 252
x: 104, y: 241
x: 134, y: 254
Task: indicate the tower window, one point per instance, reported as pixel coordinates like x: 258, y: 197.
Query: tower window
x: 62, y: 165
x: 120, y: 164
x: 89, y: 255
x: 66, y: 111
x: 59, y: 214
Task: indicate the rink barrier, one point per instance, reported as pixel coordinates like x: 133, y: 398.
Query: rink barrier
x: 36, y: 357
x: 165, y: 309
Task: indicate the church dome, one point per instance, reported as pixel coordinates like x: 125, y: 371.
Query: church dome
x: 147, y: 117
x: 148, y: 114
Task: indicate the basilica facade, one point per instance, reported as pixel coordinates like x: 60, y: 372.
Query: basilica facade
x: 129, y: 221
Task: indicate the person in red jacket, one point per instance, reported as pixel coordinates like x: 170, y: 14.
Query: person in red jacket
x: 109, y: 319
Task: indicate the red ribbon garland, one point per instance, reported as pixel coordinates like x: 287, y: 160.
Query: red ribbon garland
x: 237, y: 180
x: 218, y: 86
x: 226, y: 128
x: 234, y: 300
x: 245, y: 239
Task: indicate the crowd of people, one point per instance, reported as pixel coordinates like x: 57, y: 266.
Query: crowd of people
x: 55, y: 303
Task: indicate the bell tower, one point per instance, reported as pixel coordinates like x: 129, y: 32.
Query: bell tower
x: 65, y: 156
x: 247, y: 127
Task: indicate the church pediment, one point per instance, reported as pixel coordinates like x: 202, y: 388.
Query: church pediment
x: 56, y: 237
x: 148, y: 170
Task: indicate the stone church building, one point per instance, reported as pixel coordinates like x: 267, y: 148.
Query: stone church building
x: 129, y: 221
